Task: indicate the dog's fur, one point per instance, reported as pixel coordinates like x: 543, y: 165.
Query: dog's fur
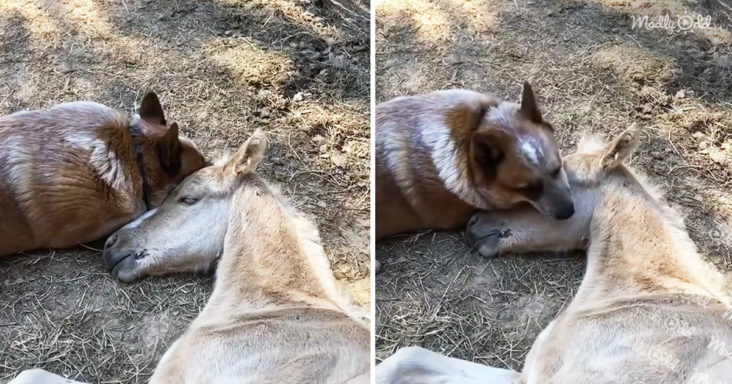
x: 650, y: 309
x: 70, y: 174
x: 444, y: 155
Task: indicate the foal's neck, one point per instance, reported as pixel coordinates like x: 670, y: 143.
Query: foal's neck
x: 272, y: 256
x: 639, y: 246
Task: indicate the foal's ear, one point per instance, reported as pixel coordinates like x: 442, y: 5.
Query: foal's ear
x: 151, y: 110
x: 249, y: 154
x: 620, y: 148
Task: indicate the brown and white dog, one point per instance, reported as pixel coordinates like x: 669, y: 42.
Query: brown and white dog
x: 444, y: 155
x: 80, y: 170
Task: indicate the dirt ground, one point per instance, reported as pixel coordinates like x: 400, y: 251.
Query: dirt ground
x: 593, y: 72
x: 297, y: 69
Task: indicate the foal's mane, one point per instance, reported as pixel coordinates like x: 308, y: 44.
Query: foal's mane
x: 672, y: 214
x: 310, y: 245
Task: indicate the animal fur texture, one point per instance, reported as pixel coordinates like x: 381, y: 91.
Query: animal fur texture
x: 69, y: 174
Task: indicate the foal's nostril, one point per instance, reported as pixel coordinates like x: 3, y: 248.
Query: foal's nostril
x: 565, y: 212
x: 473, y: 220
x: 111, y: 241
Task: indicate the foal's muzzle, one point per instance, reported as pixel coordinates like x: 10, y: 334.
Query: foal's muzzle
x: 112, y: 254
x: 120, y: 260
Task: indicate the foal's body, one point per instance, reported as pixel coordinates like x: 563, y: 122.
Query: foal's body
x: 649, y: 309
x: 282, y: 344
x: 276, y: 314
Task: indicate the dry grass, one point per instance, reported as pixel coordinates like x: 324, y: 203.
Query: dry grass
x: 592, y: 72
x: 298, y: 70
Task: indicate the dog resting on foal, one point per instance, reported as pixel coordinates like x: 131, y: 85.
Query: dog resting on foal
x: 442, y: 156
x: 80, y: 170
x: 276, y: 314
x: 650, y: 309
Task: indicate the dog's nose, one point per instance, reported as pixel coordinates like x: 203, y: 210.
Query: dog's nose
x: 565, y: 211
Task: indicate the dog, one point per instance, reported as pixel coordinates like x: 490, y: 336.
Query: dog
x: 80, y: 170
x: 444, y: 155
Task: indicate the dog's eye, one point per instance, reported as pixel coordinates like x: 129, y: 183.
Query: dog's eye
x: 532, y: 190
x: 188, y: 200
x: 532, y: 187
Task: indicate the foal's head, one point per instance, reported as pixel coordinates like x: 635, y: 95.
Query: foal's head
x: 186, y: 233
x: 595, y: 160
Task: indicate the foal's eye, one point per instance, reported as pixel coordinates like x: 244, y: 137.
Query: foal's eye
x: 555, y: 173
x: 188, y: 200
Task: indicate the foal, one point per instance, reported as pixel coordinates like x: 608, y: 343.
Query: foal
x: 276, y: 314
x: 649, y: 309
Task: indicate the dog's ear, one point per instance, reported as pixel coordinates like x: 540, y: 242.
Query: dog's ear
x: 620, y: 148
x: 151, y: 110
x: 529, y: 108
x: 486, y: 154
x: 249, y: 155
x: 468, y: 115
x: 169, y: 150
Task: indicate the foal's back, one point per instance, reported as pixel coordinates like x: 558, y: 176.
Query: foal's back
x: 660, y: 338
x: 283, y: 345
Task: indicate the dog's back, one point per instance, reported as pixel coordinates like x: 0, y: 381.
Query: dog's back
x: 443, y: 155
x: 409, y: 131
x: 70, y: 174
x: 56, y: 164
